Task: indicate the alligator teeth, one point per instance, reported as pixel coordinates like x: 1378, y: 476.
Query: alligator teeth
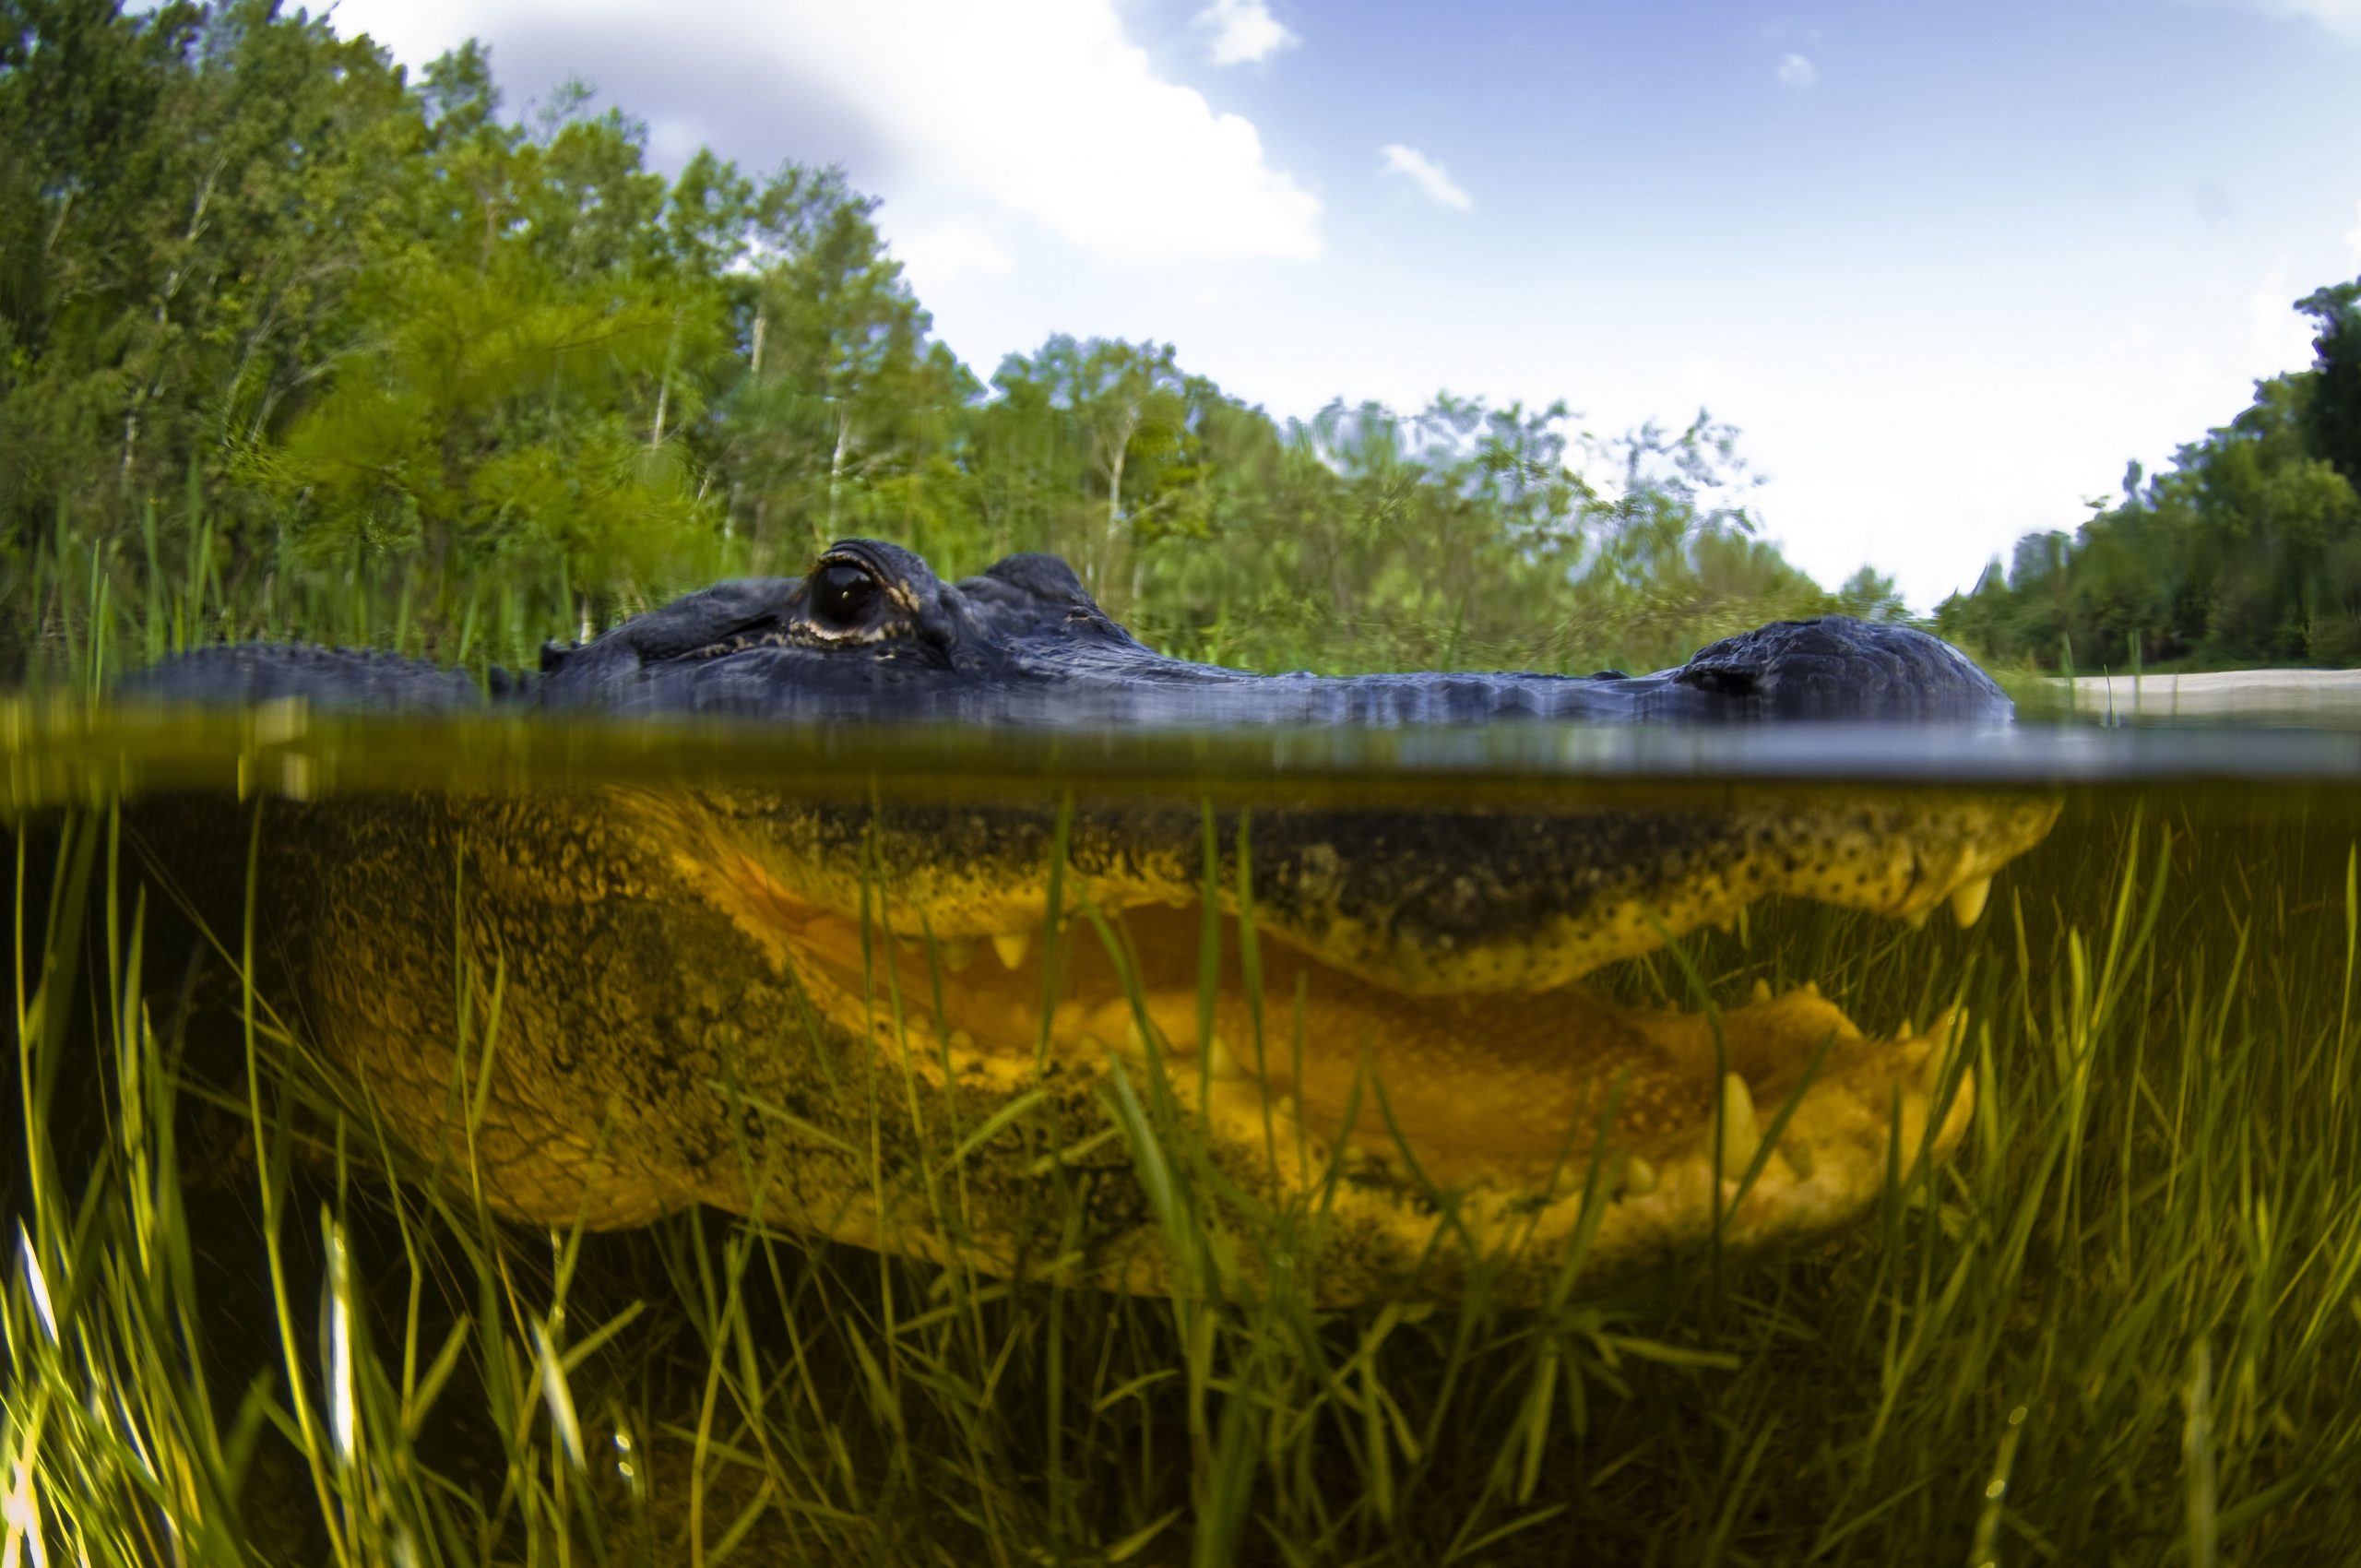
x: 1740, y: 1135
x: 1117, y: 1024
x: 1968, y: 900
x: 1011, y: 946
x: 1219, y: 1064
x: 1639, y: 1178
x: 1762, y: 992
x: 1931, y: 1073
x: 956, y: 953
x: 962, y: 1041
x: 1915, y: 919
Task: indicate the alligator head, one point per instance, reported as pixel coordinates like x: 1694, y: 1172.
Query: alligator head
x: 1390, y: 1034
x: 872, y: 633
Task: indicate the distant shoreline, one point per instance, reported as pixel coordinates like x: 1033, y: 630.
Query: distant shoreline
x: 2328, y: 692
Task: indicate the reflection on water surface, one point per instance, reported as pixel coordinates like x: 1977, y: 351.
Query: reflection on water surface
x: 60, y: 751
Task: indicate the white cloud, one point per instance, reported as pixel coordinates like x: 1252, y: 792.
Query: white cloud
x: 934, y: 254
x: 1710, y: 384
x: 1245, y: 33
x: 1434, y: 181
x: 1044, y: 109
x: 1797, y: 72
x: 2342, y: 17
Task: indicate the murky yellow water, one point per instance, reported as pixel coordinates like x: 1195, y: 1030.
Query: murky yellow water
x: 2147, y: 1214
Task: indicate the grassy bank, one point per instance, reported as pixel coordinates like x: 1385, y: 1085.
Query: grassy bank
x: 85, y: 599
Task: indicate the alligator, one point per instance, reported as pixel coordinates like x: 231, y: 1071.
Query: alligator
x: 1000, y: 1031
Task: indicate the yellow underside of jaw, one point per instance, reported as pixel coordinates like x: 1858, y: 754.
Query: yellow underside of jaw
x: 1496, y: 1091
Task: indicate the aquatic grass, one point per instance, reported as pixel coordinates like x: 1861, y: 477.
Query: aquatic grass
x: 2121, y: 1326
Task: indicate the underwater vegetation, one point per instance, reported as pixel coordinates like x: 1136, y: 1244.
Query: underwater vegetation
x: 2122, y: 1323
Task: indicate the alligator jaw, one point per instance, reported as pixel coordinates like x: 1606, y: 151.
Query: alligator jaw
x: 1381, y: 1103
x: 1436, y: 903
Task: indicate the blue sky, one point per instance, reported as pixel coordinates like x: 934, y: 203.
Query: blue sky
x: 1947, y: 268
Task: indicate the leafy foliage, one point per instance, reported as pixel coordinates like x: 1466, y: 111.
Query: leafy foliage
x: 296, y: 344
x: 2248, y: 551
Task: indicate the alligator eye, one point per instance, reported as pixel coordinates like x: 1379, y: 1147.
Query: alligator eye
x: 841, y: 595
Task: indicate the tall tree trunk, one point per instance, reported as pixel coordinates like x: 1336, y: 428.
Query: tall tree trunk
x: 837, y: 469
x: 1104, y: 572
x: 163, y: 314
x: 130, y: 440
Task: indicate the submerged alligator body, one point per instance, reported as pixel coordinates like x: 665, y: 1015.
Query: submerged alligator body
x: 954, y: 1031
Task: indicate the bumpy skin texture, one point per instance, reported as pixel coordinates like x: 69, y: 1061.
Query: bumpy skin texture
x: 1024, y: 644
x: 775, y: 1004
x: 374, y: 682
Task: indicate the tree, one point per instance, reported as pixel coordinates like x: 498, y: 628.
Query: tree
x: 508, y: 406
x: 287, y: 334
x: 189, y: 195
x: 2332, y: 420
x: 1124, y: 407
x: 1871, y: 595
x: 846, y: 394
x: 2248, y: 549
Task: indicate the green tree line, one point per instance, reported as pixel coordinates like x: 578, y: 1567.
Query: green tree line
x: 2246, y: 551
x: 294, y: 343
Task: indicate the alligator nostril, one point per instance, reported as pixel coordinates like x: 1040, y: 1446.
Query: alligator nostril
x: 1726, y: 682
